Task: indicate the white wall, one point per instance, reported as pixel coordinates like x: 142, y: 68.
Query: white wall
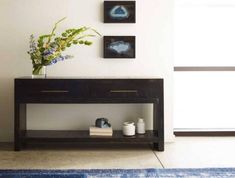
x: 153, y: 30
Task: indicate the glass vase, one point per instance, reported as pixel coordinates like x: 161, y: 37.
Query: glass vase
x: 39, y: 72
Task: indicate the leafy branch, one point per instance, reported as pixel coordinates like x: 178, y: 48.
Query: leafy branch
x: 53, y: 31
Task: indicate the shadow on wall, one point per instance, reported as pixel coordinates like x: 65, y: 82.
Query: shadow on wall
x: 101, y: 17
x: 6, y: 110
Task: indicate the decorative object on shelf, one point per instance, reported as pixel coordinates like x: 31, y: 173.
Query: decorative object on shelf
x: 48, y: 49
x: 102, y: 128
x: 96, y: 131
x: 140, y: 126
x: 119, y: 11
x: 128, y: 128
x: 119, y: 46
x: 102, y: 123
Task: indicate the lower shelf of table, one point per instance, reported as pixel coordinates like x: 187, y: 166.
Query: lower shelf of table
x: 83, y: 136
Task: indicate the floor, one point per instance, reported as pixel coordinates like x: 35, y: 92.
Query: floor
x: 185, y: 152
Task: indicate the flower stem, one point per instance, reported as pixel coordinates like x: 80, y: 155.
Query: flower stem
x: 37, y: 69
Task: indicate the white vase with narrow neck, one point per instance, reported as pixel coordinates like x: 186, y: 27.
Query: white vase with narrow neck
x: 140, y: 126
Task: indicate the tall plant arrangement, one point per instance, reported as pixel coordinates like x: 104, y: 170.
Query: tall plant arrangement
x: 48, y: 49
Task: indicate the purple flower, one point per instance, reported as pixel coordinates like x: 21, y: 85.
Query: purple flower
x: 53, y: 61
x: 60, y: 58
x: 32, y: 45
x: 68, y: 56
x: 48, y: 52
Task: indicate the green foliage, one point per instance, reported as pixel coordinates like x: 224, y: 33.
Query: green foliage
x: 47, y: 49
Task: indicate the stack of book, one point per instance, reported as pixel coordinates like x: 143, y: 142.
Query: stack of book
x: 96, y: 131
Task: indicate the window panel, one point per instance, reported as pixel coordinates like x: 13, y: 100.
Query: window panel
x: 204, y: 100
x: 204, y: 32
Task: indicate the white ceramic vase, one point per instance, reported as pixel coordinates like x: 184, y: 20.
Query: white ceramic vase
x: 128, y: 128
x: 140, y: 126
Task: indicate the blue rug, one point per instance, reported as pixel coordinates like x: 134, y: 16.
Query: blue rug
x: 122, y: 173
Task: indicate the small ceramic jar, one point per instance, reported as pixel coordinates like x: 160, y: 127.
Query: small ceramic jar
x: 128, y: 128
x: 140, y: 126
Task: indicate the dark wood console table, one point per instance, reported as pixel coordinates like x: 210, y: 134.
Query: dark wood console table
x: 61, y: 90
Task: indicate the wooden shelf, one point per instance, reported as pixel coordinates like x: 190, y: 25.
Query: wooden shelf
x: 83, y: 136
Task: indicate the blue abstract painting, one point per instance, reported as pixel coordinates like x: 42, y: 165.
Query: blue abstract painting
x: 119, y: 11
x: 119, y: 47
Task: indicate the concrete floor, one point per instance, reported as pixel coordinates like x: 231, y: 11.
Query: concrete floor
x: 185, y: 152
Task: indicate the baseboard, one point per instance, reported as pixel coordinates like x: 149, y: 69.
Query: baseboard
x: 204, y: 133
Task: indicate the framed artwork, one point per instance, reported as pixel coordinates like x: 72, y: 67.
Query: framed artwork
x: 119, y: 46
x: 119, y: 11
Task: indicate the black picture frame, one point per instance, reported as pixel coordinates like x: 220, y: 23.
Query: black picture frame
x: 112, y: 48
x: 126, y: 12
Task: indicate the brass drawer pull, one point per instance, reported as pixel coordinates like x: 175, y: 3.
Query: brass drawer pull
x: 123, y: 91
x: 54, y: 91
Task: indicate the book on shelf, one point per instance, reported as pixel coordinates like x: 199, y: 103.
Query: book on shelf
x: 101, y: 131
x: 100, y: 134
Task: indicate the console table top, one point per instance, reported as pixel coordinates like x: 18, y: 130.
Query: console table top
x: 85, y: 77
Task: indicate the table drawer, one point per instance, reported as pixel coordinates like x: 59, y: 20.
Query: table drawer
x: 123, y: 88
x: 51, y: 89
